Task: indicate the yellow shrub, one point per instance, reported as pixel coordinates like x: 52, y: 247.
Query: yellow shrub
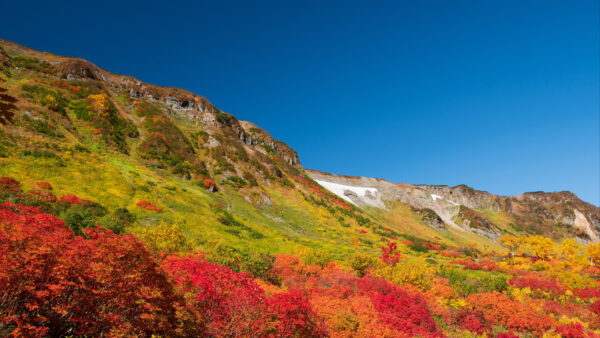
x: 166, y: 238
x: 412, y: 271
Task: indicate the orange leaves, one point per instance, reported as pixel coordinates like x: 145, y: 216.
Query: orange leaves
x: 9, y: 184
x: 147, y: 205
x: 44, y: 185
x: 499, y: 308
x: 208, y: 183
x: 99, y: 102
x: 72, y: 199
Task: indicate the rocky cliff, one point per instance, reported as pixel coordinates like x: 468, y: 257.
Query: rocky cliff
x: 554, y: 214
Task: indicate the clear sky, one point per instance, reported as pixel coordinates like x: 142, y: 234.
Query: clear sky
x: 500, y: 95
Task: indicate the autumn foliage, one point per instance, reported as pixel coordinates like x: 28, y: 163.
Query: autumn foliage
x: 61, y: 280
x: 147, y: 205
x: 55, y: 283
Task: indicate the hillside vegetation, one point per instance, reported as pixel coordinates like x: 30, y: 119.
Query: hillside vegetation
x: 137, y: 210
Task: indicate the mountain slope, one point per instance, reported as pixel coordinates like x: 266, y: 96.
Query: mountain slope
x: 557, y: 214
x: 168, y: 155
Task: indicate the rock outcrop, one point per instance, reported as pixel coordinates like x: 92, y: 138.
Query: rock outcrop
x: 254, y: 136
x: 457, y: 207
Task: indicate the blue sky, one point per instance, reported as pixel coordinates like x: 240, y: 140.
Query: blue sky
x: 500, y: 95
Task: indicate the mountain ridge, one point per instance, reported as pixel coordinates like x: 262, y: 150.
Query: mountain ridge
x: 172, y: 129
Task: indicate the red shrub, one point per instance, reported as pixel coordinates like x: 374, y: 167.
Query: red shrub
x: 72, y: 199
x: 473, y: 321
x: 538, y: 285
x: 44, y: 185
x: 390, y: 255
x: 209, y: 184
x: 470, y: 264
x: 572, y: 330
x: 292, y: 315
x: 596, y: 307
x: 56, y: 284
x: 147, y: 205
x: 406, y: 313
x: 451, y: 254
x: 587, y: 293
x: 20, y: 209
x: 10, y: 184
x: 431, y: 246
x: 43, y: 195
x: 513, y: 315
x: 231, y: 303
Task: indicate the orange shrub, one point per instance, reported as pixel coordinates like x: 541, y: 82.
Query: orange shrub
x: 147, y: 205
x: 499, y: 308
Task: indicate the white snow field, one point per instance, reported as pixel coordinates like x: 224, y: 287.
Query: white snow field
x: 368, y: 195
x: 436, y: 197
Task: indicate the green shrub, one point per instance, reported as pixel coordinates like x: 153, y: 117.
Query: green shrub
x: 82, y: 216
x: 43, y: 127
x: 81, y: 109
x: 317, y: 257
x: 466, y: 282
x: 224, y: 118
x: 118, y: 220
x: 259, y: 265
x: 30, y: 62
x: 361, y: 262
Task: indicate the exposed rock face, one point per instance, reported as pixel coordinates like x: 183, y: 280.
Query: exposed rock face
x: 266, y: 200
x: 457, y: 206
x: 79, y: 69
x: 181, y: 103
x: 254, y: 136
x: 431, y: 218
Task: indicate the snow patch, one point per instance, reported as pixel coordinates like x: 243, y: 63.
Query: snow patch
x: 435, y: 197
x: 367, y: 195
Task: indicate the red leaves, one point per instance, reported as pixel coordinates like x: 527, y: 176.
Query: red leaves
x: 292, y: 315
x: 10, y: 184
x: 208, y: 183
x: 538, y: 285
x: 470, y: 264
x: 147, y: 205
x: 574, y: 330
x: 72, y: 199
x: 226, y: 299
x: 233, y: 304
x: 404, y: 312
x: 499, y: 308
x: 57, y: 284
x: 431, y: 246
x: 472, y: 320
x: 44, y: 185
x: 43, y: 195
x: 390, y: 255
x: 596, y: 307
